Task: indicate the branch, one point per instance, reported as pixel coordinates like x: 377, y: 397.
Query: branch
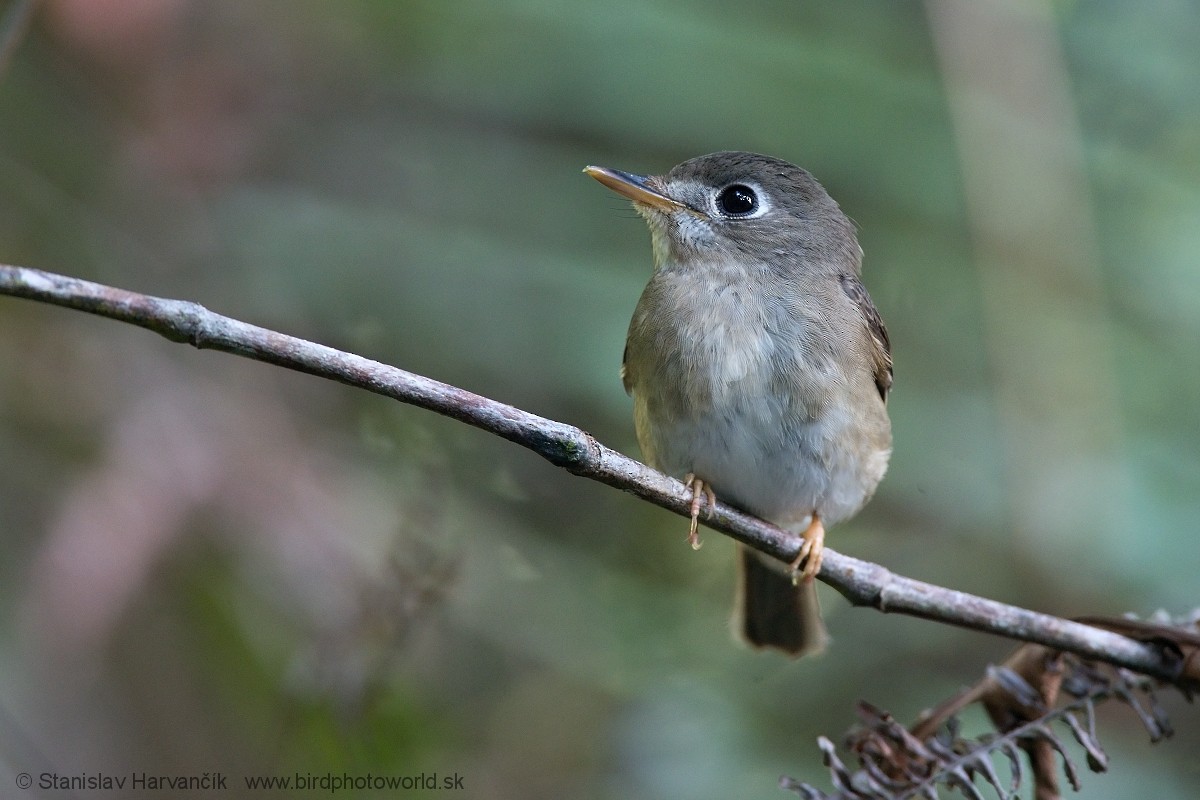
x: 861, y: 582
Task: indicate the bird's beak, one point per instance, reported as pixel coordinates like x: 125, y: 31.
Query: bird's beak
x: 636, y: 187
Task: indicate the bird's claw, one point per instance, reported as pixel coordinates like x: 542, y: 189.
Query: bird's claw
x: 812, y: 547
x: 699, y: 488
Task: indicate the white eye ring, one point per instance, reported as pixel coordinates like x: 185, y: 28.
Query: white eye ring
x: 740, y: 200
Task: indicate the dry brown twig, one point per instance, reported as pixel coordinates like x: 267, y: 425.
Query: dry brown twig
x: 1037, y: 700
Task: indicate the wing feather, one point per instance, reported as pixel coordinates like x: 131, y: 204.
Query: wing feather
x: 881, y: 347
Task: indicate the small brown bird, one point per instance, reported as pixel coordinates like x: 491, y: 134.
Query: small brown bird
x: 758, y: 366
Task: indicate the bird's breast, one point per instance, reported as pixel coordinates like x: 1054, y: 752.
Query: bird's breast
x: 715, y: 331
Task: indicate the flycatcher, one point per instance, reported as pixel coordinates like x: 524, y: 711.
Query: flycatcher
x: 758, y: 365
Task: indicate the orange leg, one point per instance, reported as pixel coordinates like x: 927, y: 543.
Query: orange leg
x: 810, y: 551
x: 698, y: 488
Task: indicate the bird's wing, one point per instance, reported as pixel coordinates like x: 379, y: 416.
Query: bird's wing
x: 881, y: 348
x: 625, y: 380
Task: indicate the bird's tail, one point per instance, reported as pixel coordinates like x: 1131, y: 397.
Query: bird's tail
x: 774, y: 611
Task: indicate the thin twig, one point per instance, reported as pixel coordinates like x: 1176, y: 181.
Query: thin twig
x: 861, y: 582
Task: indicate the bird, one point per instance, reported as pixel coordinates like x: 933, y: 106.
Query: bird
x: 758, y: 366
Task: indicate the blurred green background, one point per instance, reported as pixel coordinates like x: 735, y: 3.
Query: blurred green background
x: 215, y: 565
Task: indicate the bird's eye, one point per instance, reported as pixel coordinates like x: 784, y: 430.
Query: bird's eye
x: 737, y: 200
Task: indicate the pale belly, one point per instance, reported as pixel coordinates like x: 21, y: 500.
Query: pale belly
x: 767, y: 458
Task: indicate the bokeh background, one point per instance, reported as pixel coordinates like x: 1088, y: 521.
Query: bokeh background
x: 215, y: 565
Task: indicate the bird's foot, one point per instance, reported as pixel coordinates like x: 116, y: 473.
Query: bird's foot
x: 699, y: 488
x: 808, y: 561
